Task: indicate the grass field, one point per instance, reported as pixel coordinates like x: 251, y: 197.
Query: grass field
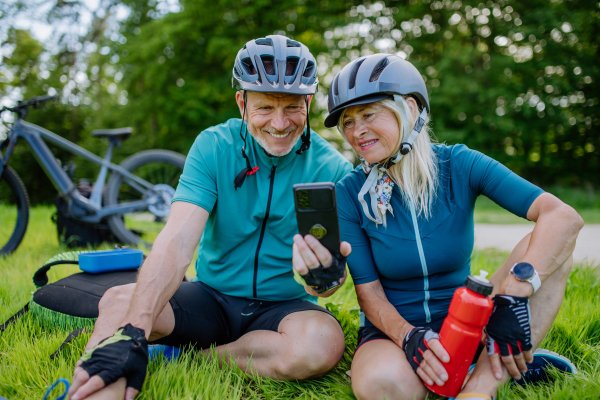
x: 26, y: 369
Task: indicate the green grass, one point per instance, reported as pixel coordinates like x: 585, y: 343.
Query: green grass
x: 26, y: 369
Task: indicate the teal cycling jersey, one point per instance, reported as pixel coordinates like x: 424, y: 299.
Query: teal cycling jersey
x: 246, y: 247
x: 390, y: 254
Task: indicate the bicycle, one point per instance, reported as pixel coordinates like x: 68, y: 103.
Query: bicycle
x: 135, y: 201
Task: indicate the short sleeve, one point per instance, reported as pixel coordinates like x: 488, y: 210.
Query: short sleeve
x: 198, y: 182
x: 360, y: 262
x: 486, y: 176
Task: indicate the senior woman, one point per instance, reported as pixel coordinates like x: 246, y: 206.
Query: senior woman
x: 407, y: 212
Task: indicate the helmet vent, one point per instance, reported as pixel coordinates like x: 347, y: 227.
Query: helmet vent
x: 354, y: 72
x: 248, y: 66
x: 291, y: 65
x: 264, y: 42
x: 335, y: 86
x: 310, y: 67
x: 269, y: 64
x: 292, y: 44
x: 237, y: 72
x: 379, y: 69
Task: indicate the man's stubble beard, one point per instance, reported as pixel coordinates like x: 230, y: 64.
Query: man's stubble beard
x: 263, y: 143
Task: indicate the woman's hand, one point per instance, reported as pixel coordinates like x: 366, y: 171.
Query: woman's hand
x: 431, y: 369
x: 309, y: 253
x: 425, y: 354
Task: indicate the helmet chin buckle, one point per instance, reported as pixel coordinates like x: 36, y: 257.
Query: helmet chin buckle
x: 405, y: 148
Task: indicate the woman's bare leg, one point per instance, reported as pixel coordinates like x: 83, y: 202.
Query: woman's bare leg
x: 380, y: 371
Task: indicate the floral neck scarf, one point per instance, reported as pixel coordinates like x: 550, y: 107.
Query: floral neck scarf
x: 380, y: 186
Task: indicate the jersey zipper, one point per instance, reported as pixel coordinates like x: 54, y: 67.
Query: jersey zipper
x: 423, y: 263
x: 262, y: 231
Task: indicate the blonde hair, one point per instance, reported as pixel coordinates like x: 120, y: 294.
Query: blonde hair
x: 417, y: 173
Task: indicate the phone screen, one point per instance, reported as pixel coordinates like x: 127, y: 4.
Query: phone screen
x: 316, y: 213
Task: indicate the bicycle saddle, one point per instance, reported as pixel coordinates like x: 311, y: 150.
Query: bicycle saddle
x: 119, y: 133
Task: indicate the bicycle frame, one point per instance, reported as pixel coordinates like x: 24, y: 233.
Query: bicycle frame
x: 88, y: 210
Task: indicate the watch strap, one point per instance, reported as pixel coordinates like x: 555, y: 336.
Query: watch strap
x: 535, y: 281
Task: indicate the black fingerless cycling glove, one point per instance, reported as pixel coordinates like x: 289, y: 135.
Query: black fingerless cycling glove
x: 415, y: 344
x: 508, y: 329
x: 125, y: 354
x: 323, y: 279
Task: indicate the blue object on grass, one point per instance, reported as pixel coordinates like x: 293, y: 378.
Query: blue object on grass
x: 170, y: 353
x: 110, y: 260
x: 63, y: 396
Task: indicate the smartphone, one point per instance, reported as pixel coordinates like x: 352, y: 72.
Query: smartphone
x: 316, y: 213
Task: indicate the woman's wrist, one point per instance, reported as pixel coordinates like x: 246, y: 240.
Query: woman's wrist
x: 401, y: 333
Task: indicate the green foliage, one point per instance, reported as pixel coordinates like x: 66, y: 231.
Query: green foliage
x: 515, y: 80
x: 26, y: 370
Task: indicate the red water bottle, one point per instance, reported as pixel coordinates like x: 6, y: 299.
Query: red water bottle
x: 462, y: 330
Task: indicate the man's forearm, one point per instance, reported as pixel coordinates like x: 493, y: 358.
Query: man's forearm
x: 159, y: 278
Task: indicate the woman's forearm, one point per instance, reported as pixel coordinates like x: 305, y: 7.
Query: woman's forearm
x: 553, y: 239
x: 383, y: 314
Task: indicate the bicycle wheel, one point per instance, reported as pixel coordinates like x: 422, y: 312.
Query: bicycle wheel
x: 14, y: 211
x: 161, y: 168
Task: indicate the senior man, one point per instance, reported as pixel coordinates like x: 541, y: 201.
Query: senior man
x: 236, y: 189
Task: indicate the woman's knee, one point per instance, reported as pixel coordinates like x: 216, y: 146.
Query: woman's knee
x: 381, y: 383
x: 117, y: 296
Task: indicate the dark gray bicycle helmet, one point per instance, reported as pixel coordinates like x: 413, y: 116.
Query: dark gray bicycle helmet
x: 275, y: 64
x: 374, y: 78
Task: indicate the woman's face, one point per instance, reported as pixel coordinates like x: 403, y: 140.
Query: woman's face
x: 372, y: 130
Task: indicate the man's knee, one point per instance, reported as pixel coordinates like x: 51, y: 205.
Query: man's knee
x: 118, y: 296
x: 314, y: 354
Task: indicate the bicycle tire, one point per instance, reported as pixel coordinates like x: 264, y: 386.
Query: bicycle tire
x: 21, y: 201
x: 116, y: 184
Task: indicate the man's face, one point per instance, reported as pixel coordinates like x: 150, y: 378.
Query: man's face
x: 275, y: 120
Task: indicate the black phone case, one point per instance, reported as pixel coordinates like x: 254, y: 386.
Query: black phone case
x: 316, y: 213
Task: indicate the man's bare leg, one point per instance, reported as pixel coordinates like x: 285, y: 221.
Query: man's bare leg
x: 112, y: 311
x: 544, y: 305
x: 308, y: 344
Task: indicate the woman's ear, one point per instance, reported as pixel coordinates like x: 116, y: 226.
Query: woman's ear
x: 413, y: 106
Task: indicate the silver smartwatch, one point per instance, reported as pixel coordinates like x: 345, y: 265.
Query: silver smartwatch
x: 525, y: 272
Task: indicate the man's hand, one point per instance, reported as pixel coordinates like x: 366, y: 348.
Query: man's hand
x: 509, y: 335
x: 424, y: 352
x: 125, y: 354
x: 309, y: 255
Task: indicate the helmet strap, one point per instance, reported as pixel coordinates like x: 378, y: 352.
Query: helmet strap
x: 305, y: 136
x: 241, y: 177
x: 406, y: 147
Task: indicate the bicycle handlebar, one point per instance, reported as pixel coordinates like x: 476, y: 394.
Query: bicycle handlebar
x: 23, y: 105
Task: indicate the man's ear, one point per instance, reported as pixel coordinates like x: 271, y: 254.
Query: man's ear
x: 239, y: 98
x: 309, y: 97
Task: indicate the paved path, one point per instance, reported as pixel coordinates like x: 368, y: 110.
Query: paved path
x: 506, y: 237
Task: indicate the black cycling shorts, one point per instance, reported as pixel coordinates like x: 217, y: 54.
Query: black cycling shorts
x: 205, y: 317
x: 370, y: 333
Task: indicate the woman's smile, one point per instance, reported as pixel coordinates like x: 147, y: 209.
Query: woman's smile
x: 367, y: 144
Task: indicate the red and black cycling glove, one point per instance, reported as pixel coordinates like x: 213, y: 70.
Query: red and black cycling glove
x: 415, y: 345
x: 508, y: 330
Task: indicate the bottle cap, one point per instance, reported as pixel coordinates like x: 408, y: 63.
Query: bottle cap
x: 480, y: 284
